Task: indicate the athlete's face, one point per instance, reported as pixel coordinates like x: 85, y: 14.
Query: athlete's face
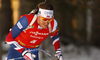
x: 42, y: 23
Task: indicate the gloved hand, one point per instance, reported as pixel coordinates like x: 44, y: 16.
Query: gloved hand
x: 58, y: 55
x: 28, y: 55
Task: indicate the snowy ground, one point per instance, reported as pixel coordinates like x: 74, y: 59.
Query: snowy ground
x: 71, y: 52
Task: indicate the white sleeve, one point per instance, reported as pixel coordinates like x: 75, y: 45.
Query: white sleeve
x: 55, y: 26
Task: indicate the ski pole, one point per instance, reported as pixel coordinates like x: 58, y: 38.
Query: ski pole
x: 16, y: 58
x: 48, y: 54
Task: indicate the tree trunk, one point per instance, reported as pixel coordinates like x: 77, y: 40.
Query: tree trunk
x: 15, y: 10
x: 89, y: 20
x: 6, y: 19
x: 5, y: 22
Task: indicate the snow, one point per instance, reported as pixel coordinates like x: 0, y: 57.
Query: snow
x: 5, y: 46
x: 71, y: 52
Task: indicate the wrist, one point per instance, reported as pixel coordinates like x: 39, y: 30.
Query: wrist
x: 24, y: 52
x: 58, y: 50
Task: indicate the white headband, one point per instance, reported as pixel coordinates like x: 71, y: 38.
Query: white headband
x: 45, y: 13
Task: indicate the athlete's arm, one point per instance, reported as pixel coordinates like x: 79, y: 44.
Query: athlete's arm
x: 55, y: 39
x: 55, y: 36
x: 16, y: 30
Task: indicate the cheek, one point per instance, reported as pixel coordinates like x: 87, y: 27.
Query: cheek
x: 39, y: 22
x: 43, y: 22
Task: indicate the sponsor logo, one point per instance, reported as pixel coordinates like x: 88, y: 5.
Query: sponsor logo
x: 36, y: 37
x: 19, y: 25
x: 48, y: 13
x: 33, y: 41
x: 37, y: 33
x: 29, y: 27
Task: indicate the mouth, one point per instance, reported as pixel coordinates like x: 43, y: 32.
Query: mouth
x: 45, y: 26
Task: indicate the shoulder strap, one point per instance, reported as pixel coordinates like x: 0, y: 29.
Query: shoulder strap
x: 31, y: 23
x: 49, y: 27
x: 33, y: 20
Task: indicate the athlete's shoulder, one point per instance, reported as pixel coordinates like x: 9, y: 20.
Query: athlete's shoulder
x: 54, y: 25
x: 28, y: 16
x: 54, y: 22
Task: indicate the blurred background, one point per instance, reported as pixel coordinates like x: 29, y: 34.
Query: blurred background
x: 78, y: 20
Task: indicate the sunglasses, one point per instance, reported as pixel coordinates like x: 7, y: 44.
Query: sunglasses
x: 45, y: 19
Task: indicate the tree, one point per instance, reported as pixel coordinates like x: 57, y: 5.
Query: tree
x: 5, y: 21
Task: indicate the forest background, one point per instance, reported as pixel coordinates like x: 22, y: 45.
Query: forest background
x: 78, y: 21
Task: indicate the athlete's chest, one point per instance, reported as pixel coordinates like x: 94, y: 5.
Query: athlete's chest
x: 35, y: 32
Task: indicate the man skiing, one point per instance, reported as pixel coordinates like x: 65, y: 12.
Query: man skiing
x: 29, y: 32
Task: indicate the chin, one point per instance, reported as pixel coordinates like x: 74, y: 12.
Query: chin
x: 44, y: 27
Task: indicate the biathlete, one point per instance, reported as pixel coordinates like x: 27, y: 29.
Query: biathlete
x: 29, y: 32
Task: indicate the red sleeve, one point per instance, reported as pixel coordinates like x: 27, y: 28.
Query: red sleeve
x: 9, y: 37
x: 10, y: 40
x: 55, y: 40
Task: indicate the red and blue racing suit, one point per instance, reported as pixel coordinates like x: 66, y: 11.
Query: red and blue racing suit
x: 29, y: 39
